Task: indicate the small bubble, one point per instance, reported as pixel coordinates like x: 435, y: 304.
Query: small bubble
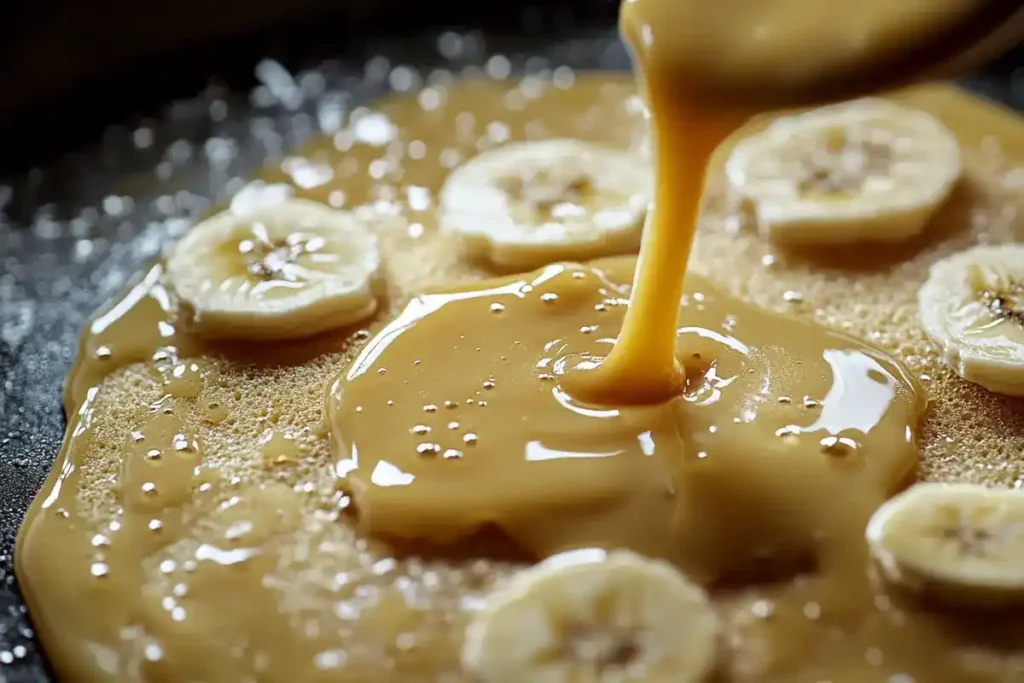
x: 811, y: 403
x: 382, y: 371
x: 836, y: 445
x: 497, y: 308
x: 417, y: 362
x: 488, y: 384
x: 763, y: 609
x: 143, y: 137
x: 99, y: 569
x: 588, y: 329
x: 785, y: 399
x: 167, y: 566
x: 390, y: 402
x: 330, y: 659
x: 100, y: 540
x: 149, y: 487
x: 482, y: 404
x: 420, y: 430
x: 155, y: 525
x: 498, y: 67
x: 563, y: 77
x: 600, y: 308
x: 361, y: 335
x: 103, y: 352
x: 153, y: 454
x: 788, y: 430
x: 578, y: 275
x: 384, y: 566
x: 470, y: 439
x: 768, y: 260
x: 549, y: 297
x: 180, y: 442
x: 430, y: 408
x: 452, y: 454
x: 546, y: 377
x: 812, y: 610
x: 792, y: 297
x: 451, y: 405
x: 138, y: 436
x: 453, y: 425
x: 428, y: 449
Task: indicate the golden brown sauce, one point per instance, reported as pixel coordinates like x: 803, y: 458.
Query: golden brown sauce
x: 248, y: 566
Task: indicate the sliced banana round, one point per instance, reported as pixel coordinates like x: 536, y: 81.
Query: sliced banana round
x: 289, y: 269
x: 972, y: 306
x: 528, y: 204
x: 962, y: 544
x: 867, y: 170
x: 591, y: 616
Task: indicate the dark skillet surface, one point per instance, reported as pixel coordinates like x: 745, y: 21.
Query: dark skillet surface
x: 73, y: 230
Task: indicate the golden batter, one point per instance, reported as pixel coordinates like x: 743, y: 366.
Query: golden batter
x: 499, y: 441
x: 241, y: 562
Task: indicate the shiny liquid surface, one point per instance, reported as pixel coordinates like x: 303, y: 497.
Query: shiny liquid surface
x: 482, y: 432
x: 768, y: 50
x: 241, y: 561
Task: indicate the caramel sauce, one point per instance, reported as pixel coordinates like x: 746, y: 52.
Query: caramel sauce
x: 242, y: 561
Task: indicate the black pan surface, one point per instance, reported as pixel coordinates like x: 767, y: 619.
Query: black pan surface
x: 73, y: 229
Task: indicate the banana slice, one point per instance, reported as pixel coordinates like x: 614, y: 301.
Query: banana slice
x: 962, y: 544
x: 532, y: 203
x: 866, y: 170
x: 972, y: 306
x: 289, y: 269
x: 590, y: 616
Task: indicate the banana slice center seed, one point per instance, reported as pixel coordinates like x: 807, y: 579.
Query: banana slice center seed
x: 273, y: 259
x: 1006, y: 303
x: 843, y: 163
x: 971, y: 539
x: 545, y: 192
x: 606, y: 650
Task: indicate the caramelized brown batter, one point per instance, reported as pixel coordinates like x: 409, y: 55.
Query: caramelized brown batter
x: 240, y: 562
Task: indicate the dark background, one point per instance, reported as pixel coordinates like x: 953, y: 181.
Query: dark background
x: 122, y: 120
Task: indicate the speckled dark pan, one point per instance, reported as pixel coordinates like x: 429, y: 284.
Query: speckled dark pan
x: 75, y: 226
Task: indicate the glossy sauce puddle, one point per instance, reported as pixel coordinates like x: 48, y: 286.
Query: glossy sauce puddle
x: 765, y: 416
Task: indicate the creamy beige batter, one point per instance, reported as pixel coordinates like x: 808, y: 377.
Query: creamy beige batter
x: 243, y: 561
x: 500, y: 441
